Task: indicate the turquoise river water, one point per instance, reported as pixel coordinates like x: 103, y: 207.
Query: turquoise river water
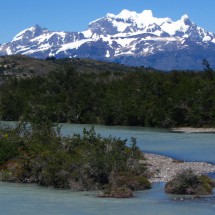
x: 22, y: 199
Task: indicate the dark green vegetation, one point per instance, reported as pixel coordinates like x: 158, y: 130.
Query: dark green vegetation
x: 80, y: 162
x: 189, y: 183
x: 86, y: 91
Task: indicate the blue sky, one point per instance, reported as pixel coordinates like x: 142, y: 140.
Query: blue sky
x: 74, y: 15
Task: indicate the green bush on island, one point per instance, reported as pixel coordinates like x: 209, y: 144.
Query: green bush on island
x: 117, y: 192
x: 122, y: 184
x: 81, y: 162
x: 189, y: 183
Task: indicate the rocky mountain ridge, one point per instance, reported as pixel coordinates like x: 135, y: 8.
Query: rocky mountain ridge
x: 136, y: 39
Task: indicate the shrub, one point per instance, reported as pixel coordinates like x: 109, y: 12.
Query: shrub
x: 130, y: 180
x: 118, y: 192
x: 5, y: 175
x: 189, y: 183
x: 9, y: 148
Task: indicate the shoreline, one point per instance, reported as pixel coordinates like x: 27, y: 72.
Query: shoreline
x: 193, y: 130
x: 163, y: 168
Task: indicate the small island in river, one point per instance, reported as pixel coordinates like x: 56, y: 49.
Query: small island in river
x: 83, y: 162
x: 78, y: 162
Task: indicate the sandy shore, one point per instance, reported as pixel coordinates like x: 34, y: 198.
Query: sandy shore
x: 193, y: 130
x: 164, y: 168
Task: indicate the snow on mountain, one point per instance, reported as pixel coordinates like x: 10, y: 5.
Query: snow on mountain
x: 127, y: 22
x: 28, y: 33
x: 127, y: 35
x: 39, y: 42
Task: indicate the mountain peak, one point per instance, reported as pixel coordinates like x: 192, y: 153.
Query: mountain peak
x: 185, y: 18
x: 31, y: 32
x: 124, y: 14
x: 147, y: 14
x: 127, y: 14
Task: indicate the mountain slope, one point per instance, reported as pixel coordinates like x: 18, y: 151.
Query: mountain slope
x: 137, y: 39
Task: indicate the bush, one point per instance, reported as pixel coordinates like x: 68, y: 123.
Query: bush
x: 5, y: 175
x: 130, y: 180
x: 9, y: 148
x: 118, y: 192
x: 188, y: 183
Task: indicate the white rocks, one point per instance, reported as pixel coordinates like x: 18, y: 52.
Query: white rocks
x: 164, y: 168
x: 193, y: 130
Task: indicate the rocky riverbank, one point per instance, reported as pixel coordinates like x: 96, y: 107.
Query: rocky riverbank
x: 162, y: 168
x: 193, y: 130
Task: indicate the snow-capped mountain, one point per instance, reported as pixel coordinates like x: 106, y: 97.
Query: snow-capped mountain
x: 137, y: 39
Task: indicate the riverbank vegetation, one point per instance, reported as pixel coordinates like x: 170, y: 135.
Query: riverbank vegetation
x: 81, y: 91
x: 85, y: 91
x: 189, y: 183
x: 78, y: 162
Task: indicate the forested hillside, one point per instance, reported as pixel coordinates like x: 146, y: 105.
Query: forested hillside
x: 85, y: 91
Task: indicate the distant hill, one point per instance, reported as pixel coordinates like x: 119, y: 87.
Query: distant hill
x: 22, y: 66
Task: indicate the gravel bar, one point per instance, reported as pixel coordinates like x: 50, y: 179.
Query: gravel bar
x: 162, y: 168
x: 193, y: 130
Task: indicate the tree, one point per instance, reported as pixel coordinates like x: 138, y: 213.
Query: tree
x: 208, y: 69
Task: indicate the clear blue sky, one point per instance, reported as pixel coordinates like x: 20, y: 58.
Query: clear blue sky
x: 74, y: 15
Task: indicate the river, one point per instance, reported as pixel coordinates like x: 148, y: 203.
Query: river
x: 182, y: 146
x: 22, y: 199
